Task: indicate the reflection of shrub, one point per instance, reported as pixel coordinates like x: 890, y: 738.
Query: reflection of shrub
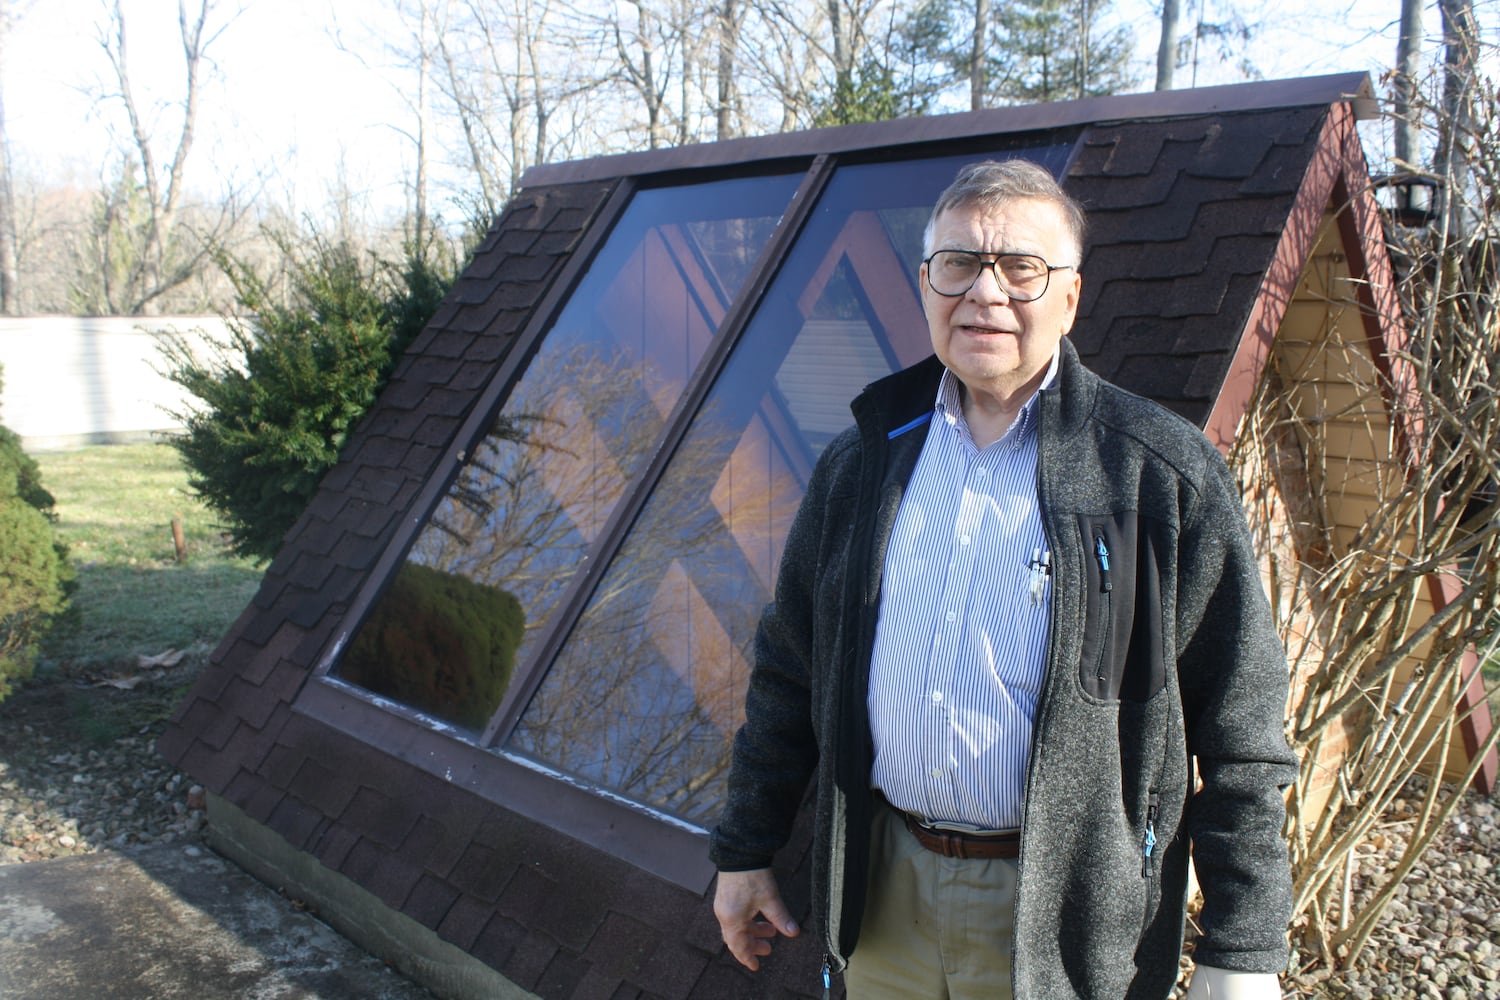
x: 34, y: 571
x: 439, y: 643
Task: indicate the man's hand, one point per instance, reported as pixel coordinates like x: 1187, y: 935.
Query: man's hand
x: 1217, y: 984
x: 751, y: 914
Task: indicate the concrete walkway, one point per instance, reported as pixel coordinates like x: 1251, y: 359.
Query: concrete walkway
x: 169, y: 922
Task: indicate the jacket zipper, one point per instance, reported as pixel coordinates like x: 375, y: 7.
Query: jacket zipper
x: 827, y: 976
x: 1101, y: 553
x: 1148, y: 842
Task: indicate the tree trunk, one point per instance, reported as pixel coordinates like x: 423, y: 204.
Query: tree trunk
x: 843, y: 69
x: 1408, y: 52
x: 1460, y: 49
x: 9, y: 275
x: 424, y: 112
x: 977, y: 81
x: 1166, y: 49
x: 153, y: 273
x: 1084, y: 57
x: 729, y: 37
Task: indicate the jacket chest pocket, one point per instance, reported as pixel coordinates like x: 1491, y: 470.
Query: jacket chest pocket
x: 1122, y: 630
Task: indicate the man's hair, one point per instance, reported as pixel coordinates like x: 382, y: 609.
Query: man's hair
x: 992, y: 183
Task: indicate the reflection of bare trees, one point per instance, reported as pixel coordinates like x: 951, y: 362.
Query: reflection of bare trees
x: 519, y: 519
x: 532, y: 500
x: 648, y: 685
x: 647, y: 693
x: 532, y: 504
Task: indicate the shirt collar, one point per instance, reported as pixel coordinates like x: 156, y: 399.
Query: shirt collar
x: 950, y: 405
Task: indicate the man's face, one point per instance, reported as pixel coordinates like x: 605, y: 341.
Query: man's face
x: 997, y: 346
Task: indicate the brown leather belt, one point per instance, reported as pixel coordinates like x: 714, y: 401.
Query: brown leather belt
x: 953, y: 844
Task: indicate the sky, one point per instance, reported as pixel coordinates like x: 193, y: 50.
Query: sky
x: 286, y: 105
x: 281, y: 97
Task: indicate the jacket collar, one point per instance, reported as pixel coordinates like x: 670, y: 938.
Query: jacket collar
x: 1068, y: 402
x: 898, y: 401
x: 905, y: 398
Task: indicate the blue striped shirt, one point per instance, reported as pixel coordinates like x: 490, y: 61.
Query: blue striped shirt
x: 962, y: 638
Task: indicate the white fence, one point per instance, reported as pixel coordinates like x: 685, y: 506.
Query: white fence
x: 71, y: 381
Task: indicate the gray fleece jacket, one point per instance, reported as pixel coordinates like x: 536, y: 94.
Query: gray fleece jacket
x: 1166, y: 661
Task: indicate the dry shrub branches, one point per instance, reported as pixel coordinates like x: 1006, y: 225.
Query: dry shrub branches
x: 1384, y: 464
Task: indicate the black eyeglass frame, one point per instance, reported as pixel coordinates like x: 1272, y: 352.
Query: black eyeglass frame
x: 994, y: 265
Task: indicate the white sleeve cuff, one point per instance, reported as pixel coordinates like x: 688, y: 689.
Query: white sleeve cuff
x: 1220, y: 984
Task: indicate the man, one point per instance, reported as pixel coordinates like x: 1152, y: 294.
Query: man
x: 1016, y: 607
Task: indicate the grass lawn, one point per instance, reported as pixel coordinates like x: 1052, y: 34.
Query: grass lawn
x: 115, y: 507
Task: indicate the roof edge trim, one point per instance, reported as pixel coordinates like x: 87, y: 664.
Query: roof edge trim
x: 1354, y: 88
x: 1331, y: 162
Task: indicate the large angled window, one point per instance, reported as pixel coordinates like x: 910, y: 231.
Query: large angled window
x: 648, y: 690
x: 534, y: 612
x: 484, y: 577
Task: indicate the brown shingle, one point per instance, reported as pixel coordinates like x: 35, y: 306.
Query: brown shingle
x: 597, y: 985
x: 621, y: 945
x: 438, y: 847
x: 561, y: 976
x: 430, y: 900
x: 377, y: 870
x: 385, y: 820
x: 483, y: 873
x: 208, y: 724
x: 672, y: 967
x: 281, y: 764
x: 333, y: 789
x: 528, y: 958
x: 253, y: 795
x: 1229, y: 153
x: 467, y: 918
x: 725, y: 980
x: 295, y: 820
x: 561, y: 904
x: 212, y: 769
x: 333, y: 845
x: 1188, y: 239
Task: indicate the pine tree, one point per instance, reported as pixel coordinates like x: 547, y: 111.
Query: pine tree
x: 35, y: 577
x: 276, y: 405
x: 1034, y: 51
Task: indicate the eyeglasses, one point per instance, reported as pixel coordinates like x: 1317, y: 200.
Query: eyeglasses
x: 1023, y: 277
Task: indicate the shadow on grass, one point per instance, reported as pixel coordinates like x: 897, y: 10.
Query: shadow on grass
x: 120, y: 612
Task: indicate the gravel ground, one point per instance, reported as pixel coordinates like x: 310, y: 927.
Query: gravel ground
x: 79, y: 773
x: 79, y: 770
x: 1440, y: 936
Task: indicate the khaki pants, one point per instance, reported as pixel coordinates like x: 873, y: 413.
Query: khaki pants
x: 934, y: 928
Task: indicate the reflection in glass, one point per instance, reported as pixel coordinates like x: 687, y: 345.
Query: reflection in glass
x: 440, y: 643
x: 648, y: 689
x: 523, y: 512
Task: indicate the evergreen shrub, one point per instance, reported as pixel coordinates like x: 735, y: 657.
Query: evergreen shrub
x: 35, y: 576
x: 276, y: 404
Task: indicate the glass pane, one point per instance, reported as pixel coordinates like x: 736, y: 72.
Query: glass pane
x: 646, y: 694
x: 488, y: 569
